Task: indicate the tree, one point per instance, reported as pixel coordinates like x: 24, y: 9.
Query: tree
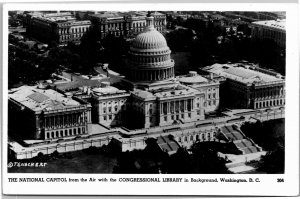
x: 272, y: 162
x: 206, y: 160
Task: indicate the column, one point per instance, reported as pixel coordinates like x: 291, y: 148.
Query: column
x: 192, y: 103
x: 73, y: 118
x: 147, y: 75
x: 54, y: 121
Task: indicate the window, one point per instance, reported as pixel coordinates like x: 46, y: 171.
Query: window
x: 189, y: 115
x: 182, y: 116
x: 110, y: 117
x: 198, y: 105
x: 70, y: 131
x: 104, y: 110
x: 198, y: 112
x: 116, y: 107
x: 172, y: 117
x: 61, y: 133
x: 185, y: 138
x: 74, y: 131
x: 208, y: 96
x: 179, y: 139
x: 104, y: 117
x: 209, y: 103
x: 109, y: 109
x: 214, y: 95
x: 165, y: 118
x: 214, y: 102
x: 79, y: 131
x: 191, y: 138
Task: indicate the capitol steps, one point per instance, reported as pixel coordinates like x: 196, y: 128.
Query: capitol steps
x: 167, y: 145
x: 242, y: 143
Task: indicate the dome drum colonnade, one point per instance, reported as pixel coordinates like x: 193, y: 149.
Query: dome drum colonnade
x: 149, y: 56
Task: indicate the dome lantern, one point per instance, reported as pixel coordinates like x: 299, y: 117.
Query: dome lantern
x: 150, y: 22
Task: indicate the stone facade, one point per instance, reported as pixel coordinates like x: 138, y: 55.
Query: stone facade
x: 208, y: 86
x: 249, y: 87
x: 45, y: 114
x: 110, y: 109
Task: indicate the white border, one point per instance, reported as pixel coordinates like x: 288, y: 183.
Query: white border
x: 268, y: 185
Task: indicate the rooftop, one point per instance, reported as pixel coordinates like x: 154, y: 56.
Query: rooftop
x: 109, y: 90
x: 278, y: 24
x: 109, y: 15
x: 74, y: 85
x: 162, y: 92
x: 192, y: 78
x: 245, y: 73
x: 39, y: 99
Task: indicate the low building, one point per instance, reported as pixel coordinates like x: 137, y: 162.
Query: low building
x: 248, y: 86
x: 40, y: 113
x: 271, y: 29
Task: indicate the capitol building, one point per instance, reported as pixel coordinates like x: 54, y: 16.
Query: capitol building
x: 158, y: 99
x: 153, y: 103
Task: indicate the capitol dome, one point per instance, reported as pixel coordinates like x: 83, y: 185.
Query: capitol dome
x: 149, y: 56
x: 150, y: 40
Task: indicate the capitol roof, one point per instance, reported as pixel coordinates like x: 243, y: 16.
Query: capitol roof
x: 41, y: 99
x: 242, y: 73
x: 193, y: 79
x: 278, y: 24
x: 150, y: 38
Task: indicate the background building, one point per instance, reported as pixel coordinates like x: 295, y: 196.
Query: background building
x: 272, y: 29
x: 125, y: 24
x: 56, y: 27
